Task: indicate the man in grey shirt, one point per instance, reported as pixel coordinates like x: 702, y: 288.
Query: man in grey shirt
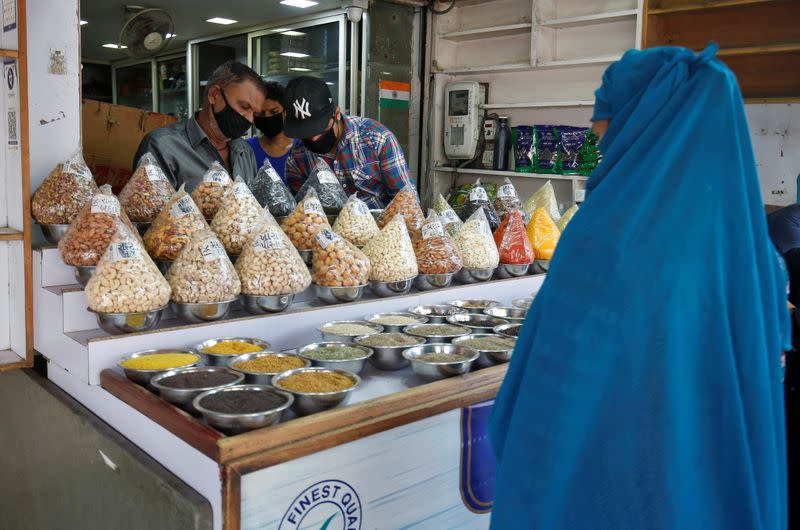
x: 185, y: 150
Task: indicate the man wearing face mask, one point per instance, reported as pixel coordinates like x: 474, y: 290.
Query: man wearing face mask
x: 185, y: 150
x: 273, y: 144
x: 364, y: 155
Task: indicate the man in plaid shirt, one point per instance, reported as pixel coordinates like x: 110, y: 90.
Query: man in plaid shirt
x: 364, y: 155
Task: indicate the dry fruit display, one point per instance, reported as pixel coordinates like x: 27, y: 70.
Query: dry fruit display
x: 355, y: 222
x: 269, y: 265
x: 67, y: 188
x: 479, y: 200
x: 305, y: 221
x: 391, y: 253
x: 330, y: 192
x: 475, y: 243
x: 545, y: 197
x: 338, y: 263
x: 173, y: 227
x: 209, y: 193
x: 147, y: 192
x: 271, y: 192
x: 544, y: 234
x: 452, y: 223
x: 405, y: 203
x: 202, y: 273
x: 507, y: 200
x: 237, y: 218
x: 435, y: 251
x: 566, y: 218
x: 512, y: 240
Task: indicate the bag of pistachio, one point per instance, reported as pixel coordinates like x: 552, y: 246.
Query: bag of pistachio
x: 174, y: 227
x: 269, y: 265
x: 336, y: 262
x: 237, y: 217
x: 208, y: 194
x: 305, y: 221
x: 355, y: 223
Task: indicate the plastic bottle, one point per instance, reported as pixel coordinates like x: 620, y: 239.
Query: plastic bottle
x: 502, y: 145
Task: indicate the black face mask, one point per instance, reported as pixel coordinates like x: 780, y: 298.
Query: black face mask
x: 269, y: 126
x: 323, y: 144
x: 231, y: 123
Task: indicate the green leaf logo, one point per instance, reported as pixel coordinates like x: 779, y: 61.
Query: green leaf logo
x: 327, y: 523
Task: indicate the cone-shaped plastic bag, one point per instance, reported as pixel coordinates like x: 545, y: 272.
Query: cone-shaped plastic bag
x: 147, y: 192
x: 391, y: 253
x: 237, y: 218
x: 545, y: 197
x: 406, y: 202
x: 304, y: 222
x: 475, y: 243
x: 512, y: 240
x: 435, y: 251
x: 507, y: 200
x: 174, y: 227
x: 271, y: 192
x: 452, y: 223
x: 269, y: 264
x: 67, y: 188
x: 209, y: 193
x: 566, y: 218
x: 202, y: 272
x: 543, y: 233
x: 355, y: 223
x: 329, y: 190
x: 336, y: 262
x: 479, y: 200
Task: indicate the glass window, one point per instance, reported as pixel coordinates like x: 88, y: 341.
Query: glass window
x: 172, y: 87
x: 213, y: 53
x: 135, y: 86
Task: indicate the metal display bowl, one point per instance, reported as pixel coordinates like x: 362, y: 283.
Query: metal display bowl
x: 237, y: 423
x: 119, y: 323
x: 389, y: 357
x: 513, y: 315
x: 436, y: 313
x: 338, y: 295
x: 348, y: 365
x: 163, y: 265
x: 487, y: 322
x: 306, y: 403
x: 540, y: 266
x: 512, y: 270
x: 487, y: 357
x: 142, y: 227
x: 414, y: 331
x: 347, y: 339
x: 221, y: 359
x: 523, y: 303
x: 474, y: 305
x: 466, y: 275
x: 440, y: 370
x: 261, y: 378
x: 503, y: 330
x: 260, y: 305
x: 202, y: 312
x: 384, y: 289
x: 376, y: 213
x: 53, y: 233
x: 389, y: 328
x: 306, y: 255
x: 183, y: 397
x: 143, y: 377
x: 84, y: 273
x: 428, y: 282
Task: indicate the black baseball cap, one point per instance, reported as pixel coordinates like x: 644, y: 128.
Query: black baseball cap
x: 309, y: 107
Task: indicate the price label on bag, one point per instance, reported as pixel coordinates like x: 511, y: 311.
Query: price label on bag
x: 270, y: 239
x: 478, y: 194
x: 273, y: 175
x: 183, y: 206
x: 359, y: 208
x: 506, y: 190
x: 105, y: 204
x: 153, y: 173
x: 212, y: 250
x: 220, y: 177
x: 449, y: 216
x: 326, y: 237
x: 123, y: 250
x: 432, y: 230
x: 313, y: 206
x: 327, y: 177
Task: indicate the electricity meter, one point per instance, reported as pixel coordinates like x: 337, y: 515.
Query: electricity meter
x: 463, y: 119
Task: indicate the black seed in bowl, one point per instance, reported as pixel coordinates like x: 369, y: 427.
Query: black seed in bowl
x: 242, y: 402
x: 200, y: 379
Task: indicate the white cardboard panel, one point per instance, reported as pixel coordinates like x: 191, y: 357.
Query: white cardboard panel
x: 5, y: 298
x: 16, y: 283
x: 54, y: 271
x: 76, y: 315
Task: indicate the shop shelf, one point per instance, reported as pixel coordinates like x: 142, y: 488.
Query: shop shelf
x: 493, y: 31
x: 587, y: 20
x: 510, y: 174
x: 10, y: 234
x: 487, y: 69
x: 13, y: 54
x: 540, y: 104
x: 585, y: 61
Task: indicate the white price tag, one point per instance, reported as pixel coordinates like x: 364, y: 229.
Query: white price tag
x: 271, y: 239
x: 580, y: 195
x: 432, y: 230
x: 153, y: 173
x: 105, y: 204
x: 183, y: 206
x: 506, y: 190
x: 220, y: 177
x: 313, y: 206
x: 240, y: 190
x: 212, y: 250
x: 478, y: 194
x: 449, y: 216
x: 327, y: 177
x: 273, y: 175
x: 359, y: 208
x: 123, y: 250
x: 326, y: 237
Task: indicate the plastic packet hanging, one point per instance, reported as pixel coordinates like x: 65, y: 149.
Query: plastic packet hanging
x: 271, y: 192
x: 67, y: 188
x: 147, y: 192
x: 391, y: 253
x: 523, y: 148
x: 329, y: 190
x: 174, y: 227
x: 270, y: 265
x: 566, y: 218
x: 209, y: 193
x: 406, y: 203
x: 202, y: 273
x: 126, y: 279
x: 452, y: 223
x: 303, y: 223
x: 512, y: 240
x: 546, y: 149
x: 589, y: 154
x: 355, y: 223
x: 545, y: 197
x: 544, y: 234
x: 338, y: 263
x: 435, y: 251
x: 237, y: 217
x: 570, y: 145
x: 475, y: 243
x: 507, y: 200
x: 479, y: 200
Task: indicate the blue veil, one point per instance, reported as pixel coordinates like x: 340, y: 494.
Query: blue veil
x: 645, y: 389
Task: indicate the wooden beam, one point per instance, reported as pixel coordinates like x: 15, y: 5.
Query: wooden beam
x: 14, y: 54
x: 231, y: 499
x: 25, y: 168
x: 9, y: 234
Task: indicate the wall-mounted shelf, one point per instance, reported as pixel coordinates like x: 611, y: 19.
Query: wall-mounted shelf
x: 10, y: 234
x: 12, y: 54
x: 493, y: 32
x: 586, y: 61
x: 488, y: 69
x: 510, y: 174
x: 540, y: 104
x: 587, y: 20
x: 757, y: 50
x: 708, y: 4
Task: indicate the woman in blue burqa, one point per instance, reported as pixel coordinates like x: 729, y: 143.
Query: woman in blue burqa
x: 645, y: 388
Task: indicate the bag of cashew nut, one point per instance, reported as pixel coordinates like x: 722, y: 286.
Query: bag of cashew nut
x: 479, y: 200
x: 435, y: 251
x: 59, y: 199
x: 303, y: 223
x: 338, y: 263
x: 174, y: 227
x: 329, y: 190
x: 208, y: 194
x: 271, y: 192
x: 88, y: 236
x: 270, y: 265
x: 237, y: 218
x: 147, y: 192
x: 355, y: 223
x: 475, y: 243
x: 391, y: 253
x: 126, y: 279
x: 447, y: 215
x: 406, y: 202
x: 507, y: 199
x: 202, y: 272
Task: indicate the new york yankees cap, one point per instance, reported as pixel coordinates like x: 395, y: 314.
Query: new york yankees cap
x: 309, y: 107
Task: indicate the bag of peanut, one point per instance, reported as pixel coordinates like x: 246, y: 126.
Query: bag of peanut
x: 355, y: 223
x: 338, y: 263
x: 237, y: 218
x: 174, y: 227
x: 270, y: 265
x: 147, y: 192
x: 208, y: 194
x: 435, y: 251
x: 304, y: 222
x: 271, y: 192
x: 67, y: 188
x: 202, y: 272
x: 329, y: 190
x: 406, y: 202
x: 391, y: 253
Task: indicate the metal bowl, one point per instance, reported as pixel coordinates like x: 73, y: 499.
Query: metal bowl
x: 237, y: 423
x: 513, y: 315
x: 440, y: 370
x: 163, y: 265
x: 84, y: 273
x: 260, y: 378
x: 183, y: 397
x: 311, y: 402
x: 53, y: 233
x: 350, y: 365
x: 202, y: 312
x: 436, y: 313
x: 306, y: 255
x: 487, y: 357
x: 376, y: 212
x: 512, y: 270
x: 221, y: 359
x: 389, y: 328
x: 505, y: 330
x: 384, y: 289
x: 476, y: 323
x: 389, y: 357
x: 475, y: 306
x: 523, y: 303
x: 338, y: 295
x: 414, y: 331
x: 466, y: 275
x: 427, y: 282
x: 540, y: 266
x: 328, y: 336
x: 143, y: 377
x: 119, y: 323
x: 260, y: 305
x: 142, y: 227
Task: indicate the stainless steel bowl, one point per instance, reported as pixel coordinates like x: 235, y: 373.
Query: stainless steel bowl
x: 384, y: 289
x: 523, y: 303
x: 183, y: 397
x: 476, y: 323
x: 513, y: 315
x: 376, y: 212
x: 328, y: 336
x: 142, y: 227
x: 53, y: 233
x: 506, y: 330
x: 338, y: 295
x: 440, y: 370
x: 237, y: 423
x: 512, y: 270
x: 427, y: 282
x: 306, y: 255
x: 306, y: 403
x: 143, y: 377
x: 415, y: 332
x: 389, y: 357
x: 540, y: 266
x: 466, y: 275
x: 163, y: 265
x: 221, y: 359
x: 84, y: 273
x: 388, y: 328
x: 436, y: 313
x: 119, y: 323
x: 202, y: 312
x: 349, y: 365
x: 475, y: 305
x: 260, y: 305
x: 487, y: 357
x: 260, y: 378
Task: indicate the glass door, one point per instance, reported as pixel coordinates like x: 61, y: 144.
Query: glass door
x: 172, y: 87
x: 133, y: 85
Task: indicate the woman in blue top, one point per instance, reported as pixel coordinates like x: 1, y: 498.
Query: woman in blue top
x: 272, y: 143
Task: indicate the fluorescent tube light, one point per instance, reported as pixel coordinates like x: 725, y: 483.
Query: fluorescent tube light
x: 298, y: 55
x: 220, y: 20
x: 302, y: 4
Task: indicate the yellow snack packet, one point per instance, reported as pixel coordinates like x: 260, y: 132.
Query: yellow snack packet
x: 543, y: 233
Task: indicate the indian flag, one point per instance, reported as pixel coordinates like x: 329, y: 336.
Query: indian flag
x: 394, y: 95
